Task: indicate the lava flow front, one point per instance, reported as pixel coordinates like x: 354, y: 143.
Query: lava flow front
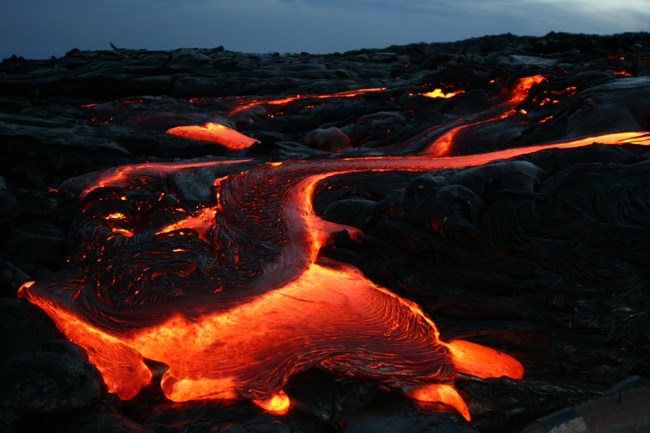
x: 231, y: 294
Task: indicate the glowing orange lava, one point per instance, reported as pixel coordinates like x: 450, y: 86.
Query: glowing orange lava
x: 443, y: 393
x: 216, y: 133
x: 522, y: 88
x: 278, y: 403
x: 121, y: 176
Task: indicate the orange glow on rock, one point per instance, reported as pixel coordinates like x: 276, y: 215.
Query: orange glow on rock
x: 215, y: 133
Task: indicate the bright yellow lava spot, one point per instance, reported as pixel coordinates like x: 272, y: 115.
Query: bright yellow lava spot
x: 278, y: 404
x: 438, y: 93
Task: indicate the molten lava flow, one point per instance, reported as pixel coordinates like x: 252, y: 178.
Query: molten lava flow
x: 476, y: 360
x: 215, y: 133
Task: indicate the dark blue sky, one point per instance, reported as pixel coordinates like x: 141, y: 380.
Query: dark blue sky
x: 41, y: 28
